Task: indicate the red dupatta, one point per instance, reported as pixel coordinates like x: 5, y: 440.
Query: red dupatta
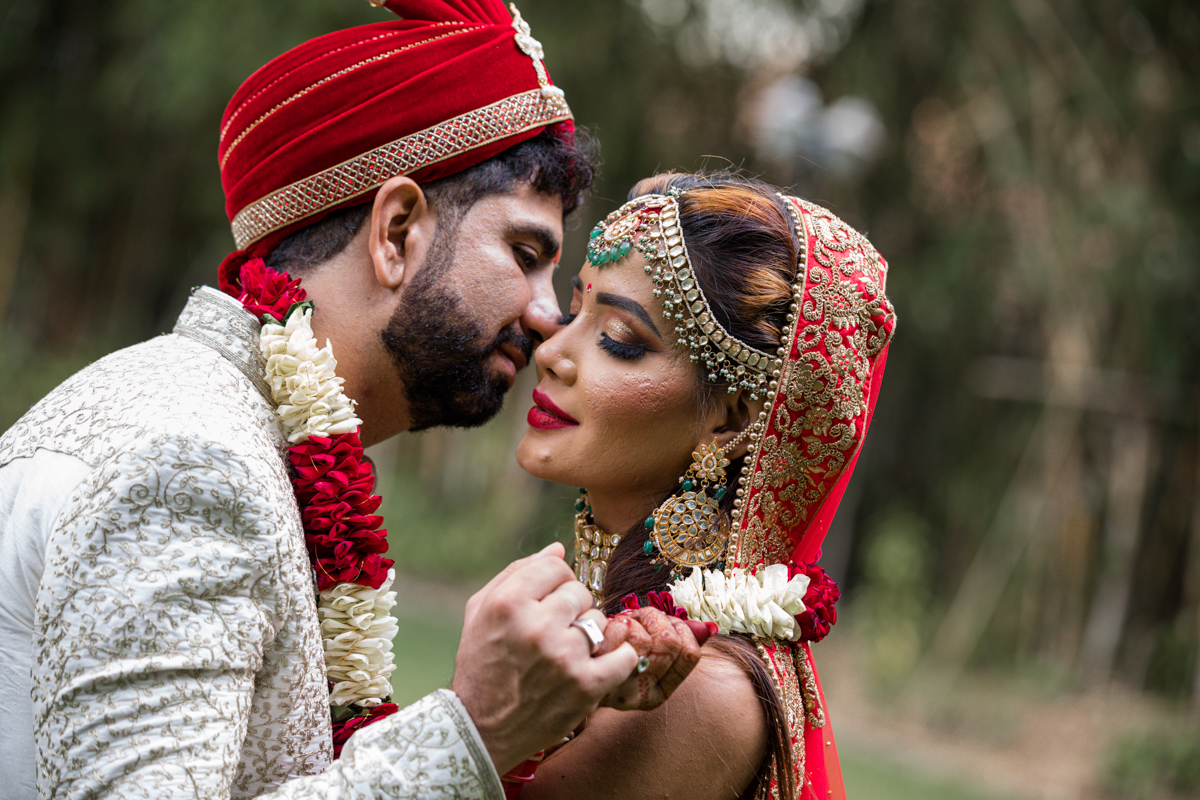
x: 798, y: 469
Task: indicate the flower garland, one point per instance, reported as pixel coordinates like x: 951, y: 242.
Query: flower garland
x: 781, y: 601
x: 334, y: 487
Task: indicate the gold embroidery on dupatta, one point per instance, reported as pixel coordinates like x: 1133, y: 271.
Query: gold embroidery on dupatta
x: 807, y: 681
x: 779, y: 658
x: 840, y: 322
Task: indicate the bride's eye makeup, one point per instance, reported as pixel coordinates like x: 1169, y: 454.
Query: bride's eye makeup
x: 619, y: 338
x: 618, y: 344
x: 625, y: 352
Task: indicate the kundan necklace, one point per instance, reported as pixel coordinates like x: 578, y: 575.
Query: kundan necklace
x: 334, y: 487
x: 593, y: 548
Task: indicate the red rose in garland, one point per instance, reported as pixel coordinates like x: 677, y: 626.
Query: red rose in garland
x: 819, y: 613
x: 265, y: 291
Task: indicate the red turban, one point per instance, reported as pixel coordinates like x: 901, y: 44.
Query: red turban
x: 450, y: 84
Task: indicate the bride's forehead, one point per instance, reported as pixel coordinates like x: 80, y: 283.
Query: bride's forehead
x: 627, y: 276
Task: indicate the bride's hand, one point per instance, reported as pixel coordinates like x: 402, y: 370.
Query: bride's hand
x: 671, y: 645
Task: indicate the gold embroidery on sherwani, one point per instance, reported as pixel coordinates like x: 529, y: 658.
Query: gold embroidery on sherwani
x: 177, y: 650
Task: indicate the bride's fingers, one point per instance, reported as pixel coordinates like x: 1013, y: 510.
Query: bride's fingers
x: 638, y: 687
x: 671, y: 652
x: 622, y: 629
x: 685, y: 661
x: 674, y: 652
x: 608, y: 669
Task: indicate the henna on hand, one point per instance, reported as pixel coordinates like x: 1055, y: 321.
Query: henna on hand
x: 670, y: 644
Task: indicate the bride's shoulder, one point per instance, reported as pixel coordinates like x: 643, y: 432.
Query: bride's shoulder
x: 721, y: 688
x: 725, y: 700
x: 707, y: 741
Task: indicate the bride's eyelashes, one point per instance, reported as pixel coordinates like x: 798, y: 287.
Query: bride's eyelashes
x: 621, y: 350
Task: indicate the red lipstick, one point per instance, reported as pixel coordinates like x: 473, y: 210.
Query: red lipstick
x: 545, y: 415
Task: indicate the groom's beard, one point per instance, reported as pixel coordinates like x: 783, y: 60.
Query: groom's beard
x: 436, y: 347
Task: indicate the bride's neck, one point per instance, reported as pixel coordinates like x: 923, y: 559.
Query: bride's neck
x: 617, y: 513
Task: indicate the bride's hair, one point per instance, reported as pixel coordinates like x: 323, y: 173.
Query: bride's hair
x: 743, y: 248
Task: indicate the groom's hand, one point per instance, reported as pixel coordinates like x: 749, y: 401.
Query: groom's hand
x: 524, y: 674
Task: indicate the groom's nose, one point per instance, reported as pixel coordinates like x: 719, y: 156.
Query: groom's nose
x: 542, y: 316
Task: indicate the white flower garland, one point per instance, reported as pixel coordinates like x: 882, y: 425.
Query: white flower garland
x: 763, y: 604
x: 357, y: 627
x: 357, y: 630
x: 301, y: 375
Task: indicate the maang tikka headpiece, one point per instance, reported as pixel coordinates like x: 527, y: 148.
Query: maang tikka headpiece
x: 650, y: 224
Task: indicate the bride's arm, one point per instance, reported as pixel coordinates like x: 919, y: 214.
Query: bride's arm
x: 707, y: 741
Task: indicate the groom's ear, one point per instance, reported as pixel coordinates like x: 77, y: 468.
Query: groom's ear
x: 735, y: 412
x: 401, y: 228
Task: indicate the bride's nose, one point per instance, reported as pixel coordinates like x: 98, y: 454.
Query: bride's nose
x: 553, y: 357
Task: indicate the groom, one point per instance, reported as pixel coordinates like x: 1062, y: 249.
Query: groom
x: 158, y: 634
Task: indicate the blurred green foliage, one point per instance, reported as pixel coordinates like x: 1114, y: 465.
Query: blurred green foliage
x: 1158, y: 766
x: 1029, y: 489
x: 891, y: 608
x: 869, y: 776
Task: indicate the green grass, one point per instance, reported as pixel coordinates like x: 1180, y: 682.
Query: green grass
x: 424, y: 655
x: 869, y: 777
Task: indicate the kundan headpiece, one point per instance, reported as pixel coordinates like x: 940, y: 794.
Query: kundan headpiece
x: 820, y: 386
x: 448, y: 85
x: 651, y: 225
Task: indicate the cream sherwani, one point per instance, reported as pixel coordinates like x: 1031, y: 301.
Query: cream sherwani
x: 158, y: 629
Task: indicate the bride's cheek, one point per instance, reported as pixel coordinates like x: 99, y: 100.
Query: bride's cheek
x: 638, y: 407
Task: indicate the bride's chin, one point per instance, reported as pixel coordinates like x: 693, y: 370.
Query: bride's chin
x: 537, y: 459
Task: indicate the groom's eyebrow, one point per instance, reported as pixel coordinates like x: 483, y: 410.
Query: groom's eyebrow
x: 547, y: 242
x: 632, y: 306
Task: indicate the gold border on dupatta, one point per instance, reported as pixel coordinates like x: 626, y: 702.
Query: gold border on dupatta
x: 807, y: 442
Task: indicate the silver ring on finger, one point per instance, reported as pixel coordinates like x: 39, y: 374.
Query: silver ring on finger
x: 591, y: 630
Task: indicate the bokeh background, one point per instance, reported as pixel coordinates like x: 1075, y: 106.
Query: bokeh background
x: 1020, y: 547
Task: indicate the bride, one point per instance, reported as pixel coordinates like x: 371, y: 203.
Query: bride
x: 710, y: 392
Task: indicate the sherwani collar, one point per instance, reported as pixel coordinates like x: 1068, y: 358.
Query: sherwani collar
x: 215, y: 319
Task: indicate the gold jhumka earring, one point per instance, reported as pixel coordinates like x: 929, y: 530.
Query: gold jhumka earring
x: 688, y: 530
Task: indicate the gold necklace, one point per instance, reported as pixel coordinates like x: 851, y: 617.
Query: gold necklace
x: 593, y: 548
